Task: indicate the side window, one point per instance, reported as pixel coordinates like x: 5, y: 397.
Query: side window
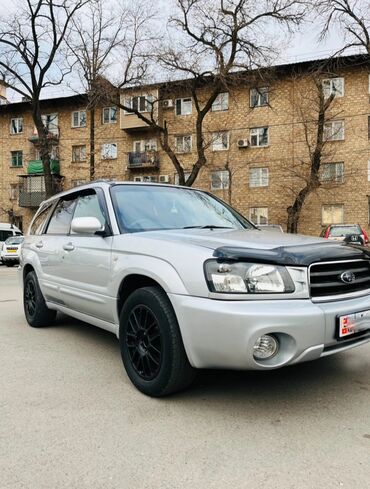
x: 4, y: 235
x: 39, y: 221
x: 88, y: 206
x: 62, y: 216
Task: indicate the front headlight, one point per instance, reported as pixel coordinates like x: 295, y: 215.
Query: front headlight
x: 247, y: 278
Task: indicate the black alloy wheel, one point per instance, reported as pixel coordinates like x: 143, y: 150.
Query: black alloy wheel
x: 143, y: 339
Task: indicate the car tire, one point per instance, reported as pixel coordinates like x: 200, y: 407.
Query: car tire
x: 37, y: 313
x: 151, y: 344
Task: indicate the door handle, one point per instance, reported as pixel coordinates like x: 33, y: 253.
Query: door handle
x: 39, y: 244
x: 68, y: 247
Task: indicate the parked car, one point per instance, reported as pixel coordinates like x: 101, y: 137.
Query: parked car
x: 10, y: 251
x: 354, y: 233
x: 186, y: 282
x: 8, y: 230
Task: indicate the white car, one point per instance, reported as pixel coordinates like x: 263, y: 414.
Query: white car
x: 11, y: 250
x: 8, y: 230
x: 186, y: 282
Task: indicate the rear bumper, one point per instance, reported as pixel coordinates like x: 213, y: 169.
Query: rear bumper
x: 221, y: 334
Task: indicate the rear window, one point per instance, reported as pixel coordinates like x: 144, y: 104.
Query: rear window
x: 4, y: 234
x: 339, y: 231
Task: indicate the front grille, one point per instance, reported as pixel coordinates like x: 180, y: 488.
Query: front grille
x: 326, y: 281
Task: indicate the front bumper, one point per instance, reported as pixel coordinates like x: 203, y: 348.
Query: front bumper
x: 221, y: 334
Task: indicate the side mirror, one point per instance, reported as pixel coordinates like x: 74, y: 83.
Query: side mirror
x: 86, y: 225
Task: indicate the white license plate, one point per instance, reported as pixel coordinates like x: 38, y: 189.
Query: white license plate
x: 353, y: 323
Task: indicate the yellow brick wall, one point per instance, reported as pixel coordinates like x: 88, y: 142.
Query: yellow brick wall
x: 287, y: 148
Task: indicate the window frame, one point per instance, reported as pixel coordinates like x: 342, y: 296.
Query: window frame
x: 260, y: 180
x: 182, y: 101
x: 184, y: 150
x: 329, y: 139
x: 12, y: 153
x: 17, y: 125
x: 334, y: 180
x: 222, y: 187
x: 74, y: 146
x: 260, y: 94
x: 259, y: 137
x: 323, y: 223
x: 328, y: 92
x: 109, y: 158
x: 219, y: 134
x: 79, y: 112
x: 110, y: 109
x: 259, y: 223
x: 219, y: 101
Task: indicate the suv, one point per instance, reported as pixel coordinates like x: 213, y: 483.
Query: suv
x: 186, y: 282
x: 350, y: 232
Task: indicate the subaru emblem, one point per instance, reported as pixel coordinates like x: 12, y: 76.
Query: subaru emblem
x: 348, y: 277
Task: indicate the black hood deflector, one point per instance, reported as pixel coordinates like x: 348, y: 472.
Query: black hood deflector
x: 301, y: 255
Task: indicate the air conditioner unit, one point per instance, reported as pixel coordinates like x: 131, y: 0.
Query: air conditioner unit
x: 167, y: 104
x: 138, y: 179
x: 164, y: 178
x: 243, y: 143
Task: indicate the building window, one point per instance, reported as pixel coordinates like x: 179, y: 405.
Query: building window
x: 183, y: 144
x: 334, y: 131
x: 145, y: 145
x: 184, y: 106
x: 140, y: 104
x: 109, y: 115
x: 332, y: 214
x: 109, y: 151
x: 176, y: 177
x: 79, y: 153
x: 220, y: 141
x: 50, y: 122
x: 259, y: 97
x: 16, y: 125
x: 332, y: 172
x: 220, y: 180
x: 13, y: 191
x: 79, y: 118
x: 258, y: 177
x: 259, y: 136
x: 77, y: 183
x: 221, y: 102
x: 17, y: 159
x: 259, y: 215
x: 333, y: 86
x: 54, y: 153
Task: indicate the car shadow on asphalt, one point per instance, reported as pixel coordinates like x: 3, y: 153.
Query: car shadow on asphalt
x: 342, y: 376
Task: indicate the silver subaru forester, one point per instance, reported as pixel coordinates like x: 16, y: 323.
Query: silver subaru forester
x: 186, y: 282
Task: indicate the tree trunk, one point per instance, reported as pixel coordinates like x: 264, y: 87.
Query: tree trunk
x: 92, y: 144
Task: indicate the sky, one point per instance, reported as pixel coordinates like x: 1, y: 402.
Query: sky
x: 303, y: 45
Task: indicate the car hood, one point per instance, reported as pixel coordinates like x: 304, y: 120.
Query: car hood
x: 262, y: 246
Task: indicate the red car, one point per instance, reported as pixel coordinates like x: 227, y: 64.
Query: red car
x: 354, y: 233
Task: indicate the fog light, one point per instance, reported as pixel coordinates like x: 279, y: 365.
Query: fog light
x: 265, y: 347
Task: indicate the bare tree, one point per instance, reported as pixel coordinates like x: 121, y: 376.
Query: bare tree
x: 30, y: 42
x: 211, y: 41
x: 102, y: 32
x: 352, y: 17
x: 313, y: 107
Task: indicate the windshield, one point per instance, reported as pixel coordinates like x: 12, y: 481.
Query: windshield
x: 339, y: 231
x: 14, y: 241
x: 147, y: 208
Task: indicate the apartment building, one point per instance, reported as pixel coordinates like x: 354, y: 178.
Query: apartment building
x: 259, y: 136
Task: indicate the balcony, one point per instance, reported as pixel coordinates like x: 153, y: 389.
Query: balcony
x: 147, y: 159
x: 35, y: 167
x: 32, y: 189
x: 53, y: 135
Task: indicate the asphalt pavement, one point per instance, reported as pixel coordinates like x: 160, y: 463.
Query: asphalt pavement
x: 70, y: 418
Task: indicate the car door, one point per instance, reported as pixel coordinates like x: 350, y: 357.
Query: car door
x: 86, y: 262
x: 49, y: 247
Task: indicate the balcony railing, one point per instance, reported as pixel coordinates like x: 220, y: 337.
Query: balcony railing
x: 32, y: 189
x: 53, y: 134
x: 147, y: 159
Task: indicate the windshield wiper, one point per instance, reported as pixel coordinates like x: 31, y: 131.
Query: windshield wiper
x: 208, y: 226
